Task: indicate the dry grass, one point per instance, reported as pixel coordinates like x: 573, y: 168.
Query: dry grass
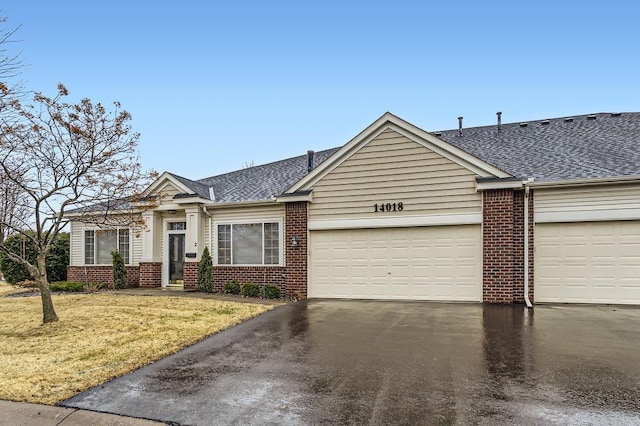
x: 8, y: 289
x: 99, y: 337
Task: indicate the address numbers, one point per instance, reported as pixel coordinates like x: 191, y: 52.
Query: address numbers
x: 388, y: 207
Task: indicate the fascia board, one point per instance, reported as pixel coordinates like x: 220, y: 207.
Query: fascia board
x: 586, y: 182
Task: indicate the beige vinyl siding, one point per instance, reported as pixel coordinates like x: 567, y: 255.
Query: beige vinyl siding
x: 391, y: 169
x: 136, y: 246
x: 76, y: 244
x: 587, y: 203
x: 167, y: 192
x: 247, y: 213
x: 207, y: 233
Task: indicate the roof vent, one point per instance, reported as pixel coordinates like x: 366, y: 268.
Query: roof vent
x: 568, y: 120
x: 437, y: 133
x: 545, y: 122
x: 499, y: 114
x: 616, y: 114
x: 592, y: 117
x: 309, y: 160
x: 524, y: 124
x: 460, y: 126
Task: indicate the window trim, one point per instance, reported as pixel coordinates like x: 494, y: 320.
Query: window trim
x: 260, y: 221
x: 95, y: 247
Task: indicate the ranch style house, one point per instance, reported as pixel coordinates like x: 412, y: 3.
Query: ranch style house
x: 545, y: 211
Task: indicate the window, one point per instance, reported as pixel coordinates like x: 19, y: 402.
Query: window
x: 249, y: 243
x: 98, y: 245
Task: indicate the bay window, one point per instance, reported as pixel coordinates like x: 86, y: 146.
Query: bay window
x: 99, y: 243
x: 249, y: 243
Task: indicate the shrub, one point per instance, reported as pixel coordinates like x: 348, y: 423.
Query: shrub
x: 231, y: 287
x: 57, y: 258
x: 271, y: 292
x: 119, y: 270
x: 250, y: 290
x: 67, y: 286
x: 205, y: 272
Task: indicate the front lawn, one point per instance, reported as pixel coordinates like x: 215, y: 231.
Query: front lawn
x: 99, y: 337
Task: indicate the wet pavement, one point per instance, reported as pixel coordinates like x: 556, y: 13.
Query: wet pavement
x: 369, y: 362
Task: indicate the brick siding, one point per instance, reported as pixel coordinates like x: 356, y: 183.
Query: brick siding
x: 271, y: 275
x: 150, y: 274
x: 503, y: 251
x: 190, y: 275
x: 291, y: 279
x: 102, y: 274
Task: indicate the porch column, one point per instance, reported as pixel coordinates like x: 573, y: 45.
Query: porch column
x: 194, y: 244
x: 151, y: 259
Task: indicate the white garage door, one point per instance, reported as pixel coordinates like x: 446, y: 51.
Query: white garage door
x: 588, y: 262
x: 427, y: 263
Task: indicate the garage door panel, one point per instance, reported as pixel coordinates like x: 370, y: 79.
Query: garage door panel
x: 588, y: 262
x: 428, y: 263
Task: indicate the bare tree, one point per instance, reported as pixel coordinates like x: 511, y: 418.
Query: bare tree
x: 11, y: 65
x: 12, y: 204
x: 66, y: 157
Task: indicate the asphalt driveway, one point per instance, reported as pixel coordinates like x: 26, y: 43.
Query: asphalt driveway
x: 359, y: 362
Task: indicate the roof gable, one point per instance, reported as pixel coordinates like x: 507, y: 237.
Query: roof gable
x: 389, y: 121
x: 181, y: 185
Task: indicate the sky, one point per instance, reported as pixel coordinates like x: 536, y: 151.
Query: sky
x: 214, y: 86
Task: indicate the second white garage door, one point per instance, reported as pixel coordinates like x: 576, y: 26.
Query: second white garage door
x: 427, y: 263
x: 588, y: 262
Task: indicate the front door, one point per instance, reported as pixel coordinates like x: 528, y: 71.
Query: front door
x: 176, y: 259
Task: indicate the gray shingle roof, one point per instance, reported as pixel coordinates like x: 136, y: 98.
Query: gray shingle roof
x: 584, y: 146
x: 261, y: 182
x: 197, y: 188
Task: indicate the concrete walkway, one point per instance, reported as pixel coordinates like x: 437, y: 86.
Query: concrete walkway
x: 22, y: 414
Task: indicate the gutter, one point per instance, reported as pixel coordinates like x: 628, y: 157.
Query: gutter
x: 586, y: 182
x: 526, y: 242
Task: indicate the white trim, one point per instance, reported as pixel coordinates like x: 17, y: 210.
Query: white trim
x: 221, y: 205
x: 390, y: 121
x: 397, y: 222
x: 585, y: 182
x: 165, y: 246
x: 511, y: 184
x: 295, y: 198
x: 214, y: 236
x: 587, y: 216
x: 189, y: 200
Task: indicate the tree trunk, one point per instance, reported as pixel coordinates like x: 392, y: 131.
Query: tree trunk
x: 48, y: 311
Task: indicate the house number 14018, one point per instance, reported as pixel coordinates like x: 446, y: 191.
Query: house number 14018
x: 388, y: 207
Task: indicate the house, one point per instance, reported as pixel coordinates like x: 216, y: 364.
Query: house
x: 401, y: 213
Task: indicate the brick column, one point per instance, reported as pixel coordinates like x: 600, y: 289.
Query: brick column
x: 150, y: 274
x: 503, y: 246
x: 497, y: 245
x: 296, y: 256
x: 190, y: 275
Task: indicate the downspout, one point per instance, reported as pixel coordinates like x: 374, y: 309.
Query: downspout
x: 526, y: 243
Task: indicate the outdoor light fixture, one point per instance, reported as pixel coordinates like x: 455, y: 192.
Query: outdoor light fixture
x: 172, y: 211
x: 294, y: 240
